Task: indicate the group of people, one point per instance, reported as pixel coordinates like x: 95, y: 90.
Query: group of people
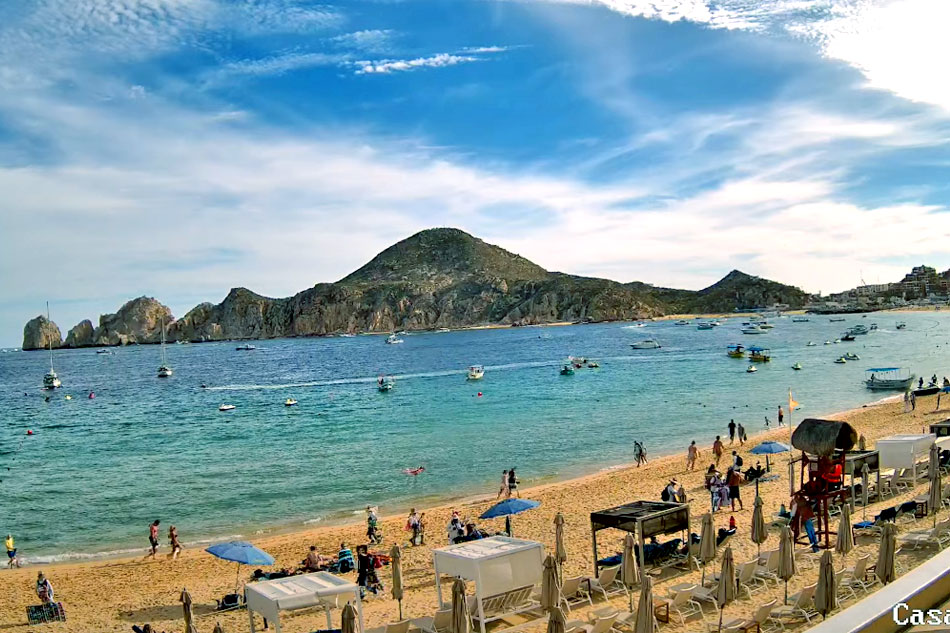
x: 172, y: 540
x: 462, y: 531
x: 365, y: 563
x: 509, y: 484
x: 724, y: 488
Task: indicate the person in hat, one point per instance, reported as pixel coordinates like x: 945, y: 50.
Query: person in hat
x: 669, y: 493
x: 44, y: 590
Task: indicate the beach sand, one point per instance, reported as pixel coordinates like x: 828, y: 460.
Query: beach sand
x: 111, y: 595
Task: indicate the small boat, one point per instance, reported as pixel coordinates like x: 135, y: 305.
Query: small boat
x: 715, y: 323
x: 811, y: 344
x: 858, y: 330
x: 847, y: 336
x: 735, y: 351
x: 50, y: 380
x: 841, y: 360
x: 385, y: 383
x: 650, y: 343
x: 901, y: 325
x: 765, y: 325
x: 929, y: 390
x: 104, y: 351
x: 443, y: 330
x: 164, y: 371
x: 402, y: 333
x: 797, y: 366
x: 476, y: 372
x: 754, y: 329
x: 567, y: 370
x: 290, y: 402
x: 751, y: 369
x: 592, y: 365
x: 682, y: 322
x: 837, y: 340
x: 851, y: 356
x: 704, y: 326
x: 392, y: 339
x: 760, y: 354
x: 348, y: 335
x: 873, y: 327
x: 245, y: 348
x: 889, y: 378
x: 837, y: 320
x: 227, y: 407
x: 827, y: 342
x: 799, y: 319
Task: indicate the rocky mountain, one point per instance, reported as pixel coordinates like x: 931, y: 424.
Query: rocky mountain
x: 435, y: 278
x: 38, y: 332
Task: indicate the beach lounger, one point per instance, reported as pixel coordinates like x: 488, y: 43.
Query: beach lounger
x: 767, y: 566
x: 607, y: 583
x: 843, y: 590
x: 573, y: 593
x: 441, y: 622
x: 393, y: 627
x: 230, y: 601
x: 603, y: 624
x: 801, y: 605
x: 626, y: 621
x: 705, y: 595
x: 857, y: 577
x: 503, y: 605
x: 938, y: 536
x: 761, y: 620
x: 681, y: 602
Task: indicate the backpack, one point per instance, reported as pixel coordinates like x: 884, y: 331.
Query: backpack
x: 739, y: 461
x: 665, y: 495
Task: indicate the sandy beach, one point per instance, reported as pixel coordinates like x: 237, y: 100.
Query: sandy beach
x: 111, y: 595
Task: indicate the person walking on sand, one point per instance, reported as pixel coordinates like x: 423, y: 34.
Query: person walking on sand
x: 173, y: 540
x: 153, y: 538
x: 740, y: 430
x: 412, y: 525
x: 732, y: 431
x: 11, y: 552
x: 513, y: 483
x: 503, y: 490
x: 913, y: 401
x: 733, y: 480
x: 639, y: 453
x: 691, y: 454
x: 44, y: 589
x: 717, y: 448
x: 372, y: 526
x: 781, y: 416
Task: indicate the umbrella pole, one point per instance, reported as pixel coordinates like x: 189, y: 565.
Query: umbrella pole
x: 786, y: 593
x: 237, y: 577
x: 720, y: 620
x: 703, y: 581
x: 400, y: 602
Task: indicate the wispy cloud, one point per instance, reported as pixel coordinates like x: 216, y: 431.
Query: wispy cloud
x: 366, y: 41
x: 278, y: 64
x: 385, y: 66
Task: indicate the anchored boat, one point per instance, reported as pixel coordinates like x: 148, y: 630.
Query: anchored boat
x: 888, y: 378
x: 735, y: 351
x: 476, y: 372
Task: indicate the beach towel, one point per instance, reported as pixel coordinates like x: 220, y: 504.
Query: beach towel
x: 43, y: 613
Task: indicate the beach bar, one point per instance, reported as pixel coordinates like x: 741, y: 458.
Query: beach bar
x: 501, y: 567
x: 644, y: 519
x: 320, y: 589
x: 906, y: 454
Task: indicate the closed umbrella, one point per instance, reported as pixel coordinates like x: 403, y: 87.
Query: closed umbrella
x: 865, y: 479
x: 825, y: 599
x: 556, y: 622
x: 217, y: 628
x: 395, y: 563
x: 862, y: 443
x: 786, y: 557
x: 550, y: 596
x: 349, y: 619
x: 186, y: 609
x: 707, y: 542
x: 507, y: 508
x: 936, y: 486
x: 242, y: 553
x: 844, y: 543
x: 885, y: 555
x: 560, y: 551
x: 460, y: 621
x: 759, y: 532
x: 726, y: 592
x: 644, y: 621
x: 629, y: 573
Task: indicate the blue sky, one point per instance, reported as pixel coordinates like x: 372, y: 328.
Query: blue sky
x: 177, y: 148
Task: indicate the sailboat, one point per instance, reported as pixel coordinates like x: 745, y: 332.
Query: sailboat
x: 50, y: 380
x: 164, y: 371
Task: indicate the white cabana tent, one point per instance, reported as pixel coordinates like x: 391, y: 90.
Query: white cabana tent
x: 322, y: 588
x: 904, y: 451
x: 496, y: 565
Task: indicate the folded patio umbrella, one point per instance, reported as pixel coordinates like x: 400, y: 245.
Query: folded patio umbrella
x: 759, y: 532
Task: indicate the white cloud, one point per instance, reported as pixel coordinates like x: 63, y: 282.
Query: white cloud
x: 385, y: 66
x: 367, y: 41
x: 277, y: 64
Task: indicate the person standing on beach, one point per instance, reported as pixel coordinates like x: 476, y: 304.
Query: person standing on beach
x: 717, y: 449
x: 740, y: 430
x: 691, y: 454
x: 11, y: 552
x: 153, y: 538
x: 733, y: 480
x: 412, y: 525
x: 639, y: 453
x: 732, y: 431
x: 781, y: 416
x: 372, y: 529
x: 913, y: 401
x: 173, y: 540
x: 512, y: 483
x: 503, y: 491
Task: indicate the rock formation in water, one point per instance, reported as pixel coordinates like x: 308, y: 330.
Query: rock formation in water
x: 38, y: 332
x: 433, y: 279
x: 81, y: 335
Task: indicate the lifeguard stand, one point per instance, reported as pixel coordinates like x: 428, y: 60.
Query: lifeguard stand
x: 824, y: 445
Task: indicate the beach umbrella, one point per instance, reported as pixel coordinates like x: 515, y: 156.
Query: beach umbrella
x: 786, y: 557
x: 550, y: 596
x: 556, y: 622
x: 395, y: 563
x: 759, y: 532
x: 936, y: 492
x: 885, y: 555
x: 844, y: 542
x: 707, y: 542
x: 185, y: 599
x: 644, y: 621
x: 507, y: 508
x: 862, y: 443
x: 770, y: 448
x: 726, y: 592
x: 242, y: 553
x: 865, y: 476
x: 349, y: 619
x: 560, y: 551
x: 629, y: 573
x: 825, y: 599
x: 460, y: 621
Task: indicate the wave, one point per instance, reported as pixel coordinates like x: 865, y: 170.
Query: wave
x: 67, y: 557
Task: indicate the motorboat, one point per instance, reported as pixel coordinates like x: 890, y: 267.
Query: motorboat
x: 765, y: 325
x: 476, y: 372
x: 754, y: 329
x: 847, y: 336
x: 638, y: 324
x: 443, y: 330
x: 650, y: 343
x: 290, y: 402
x: 797, y: 366
x: 811, y: 344
x: 888, y: 378
x: 245, y: 348
x: 704, y: 326
x: 901, y: 325
x: 836, y: 341
x: 837, y: 320
x: 164, y: 371
x: 392, y: 339
x: 800, y: 319
x: 227, y: 407
x: 751, y: 369
x: 402, y: 333
x: 715, y: 323
x: 827, y: 342
x: 385, y: 384
x: 567, y: 370
x: 873, y: 327
x: 348, y: 335
x: 841, y: 360
x: 682, y: 322
x: 929, y: 390
x: 851, y: 356
x: 759, y: 354
x: 50, y: 380
x: 858, y: 330
x: 735, y: 351
x: 593, y: 365
x: 104, y: 351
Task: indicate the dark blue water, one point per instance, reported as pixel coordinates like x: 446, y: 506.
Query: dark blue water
x: 96, y: 471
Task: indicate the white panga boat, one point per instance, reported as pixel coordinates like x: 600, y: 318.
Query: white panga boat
x: 754, y: 329
x: 704, y: 326
x: 799, y: 319
x: 751, y: 369
x: 649, y: 343
x: 858, y: 330
x: 682, y: 322
x: 290, y: 402
x: 851, y: 356
x: 245, y: 348
x: 476, y: 372
x: 811, y: 344
x: 392, y: 339
x: 797, y: 366
x: 227, y: 407
x: 164, y: 371
x: 50, y: 380
x: 888, y: 378
x: 386, y: 383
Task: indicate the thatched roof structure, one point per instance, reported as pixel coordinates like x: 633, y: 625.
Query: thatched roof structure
x: 822, y: 437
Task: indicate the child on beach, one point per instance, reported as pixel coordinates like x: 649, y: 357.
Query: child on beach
x: 173, y: 540
x: 44, y: 590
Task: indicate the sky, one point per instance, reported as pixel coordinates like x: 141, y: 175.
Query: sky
x: 179, y: 148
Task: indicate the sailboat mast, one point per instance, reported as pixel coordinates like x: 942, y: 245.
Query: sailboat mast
x: 49, y: 337
x: 163, y: 341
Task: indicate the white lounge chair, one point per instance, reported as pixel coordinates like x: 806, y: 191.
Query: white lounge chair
x: 607, y: 583
x: 573, y: 592
x: 681, y: 602
x: 599, y: 625
x: 855, y: 576
x: 393, y: 627
x: 766, y: 566
x: 801, y: 605
x: 441, y: 622
x: 761, y: 620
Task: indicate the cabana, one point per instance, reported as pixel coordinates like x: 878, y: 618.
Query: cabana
x: 320, y: 589
x: 854, y: 462
x: 504, y: 570
x: 644, y: 519
x: 905, y: 452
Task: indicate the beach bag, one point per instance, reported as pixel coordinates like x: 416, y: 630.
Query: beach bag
x: 665, y: 495
x: 48, y: 612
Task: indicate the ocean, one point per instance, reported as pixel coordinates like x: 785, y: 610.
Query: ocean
x: 96, y: 472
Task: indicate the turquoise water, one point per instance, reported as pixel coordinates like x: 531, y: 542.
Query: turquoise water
x: 96, y: 472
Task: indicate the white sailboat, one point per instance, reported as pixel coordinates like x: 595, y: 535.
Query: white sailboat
x: 164, y: 371
x: 50, y: 380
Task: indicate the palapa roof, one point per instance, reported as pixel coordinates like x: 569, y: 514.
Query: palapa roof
x: 822, y: 437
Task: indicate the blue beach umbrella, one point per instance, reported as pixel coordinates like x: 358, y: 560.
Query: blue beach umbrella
x: 770, y: 448
x: 242, y: 553
x: 507, y: 508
